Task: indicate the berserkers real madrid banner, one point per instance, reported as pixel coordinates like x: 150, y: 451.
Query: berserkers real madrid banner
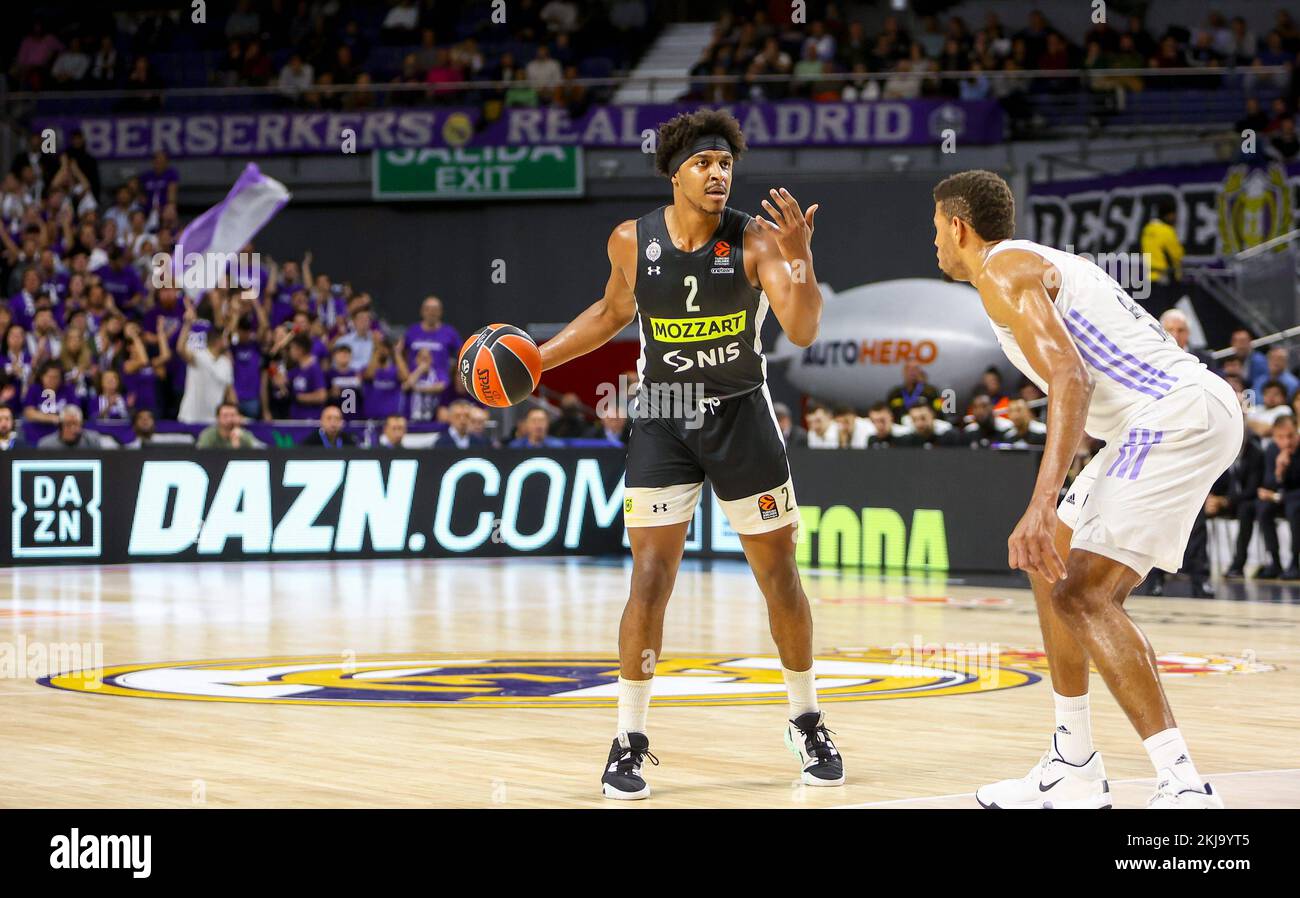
x: 1222, y: 209
x: 872, y: 510
x: 791, y: 123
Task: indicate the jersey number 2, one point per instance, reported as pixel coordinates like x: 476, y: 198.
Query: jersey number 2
x: 694, y: 284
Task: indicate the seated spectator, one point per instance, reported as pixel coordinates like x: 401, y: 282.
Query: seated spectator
x: 1262, y: 418
x: 612, y: 428
x: 983, y: 428
x: 1276, y: 363
x: 227, y: 433
x: 543, y: 72
x: 142, y: 425
x: 330, y: 434
x: 1245, y: 480
x: 10, y: 437
x: 792, y: 434
x: 463, y: 432
x: 823, y: 432
x: 71, y: 66
x: 533, y: 432
x: 481, y: 424
x: 884, y: 430
x: 1280, y: 494
x: 572, y: 422
x: 913, y: 391
x: 393, y: 434
x: 1253, y: 362
x: 295, y: 78
x: 1285, y: 144
x: 852, y: 431
x: 1025, y: 430
x: 71, y: 433
x: 926, y: 430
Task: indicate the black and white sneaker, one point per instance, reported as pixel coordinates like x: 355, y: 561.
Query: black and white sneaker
x: 811, y: 743
x: 622, y: 779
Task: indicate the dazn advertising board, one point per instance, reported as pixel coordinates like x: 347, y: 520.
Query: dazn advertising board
x: 922, y: 510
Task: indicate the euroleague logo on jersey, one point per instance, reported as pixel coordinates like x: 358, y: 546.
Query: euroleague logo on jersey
x: 767, y: 507
x: 722, y: 258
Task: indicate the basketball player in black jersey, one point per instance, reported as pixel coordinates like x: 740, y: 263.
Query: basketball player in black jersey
x: 701, y: 276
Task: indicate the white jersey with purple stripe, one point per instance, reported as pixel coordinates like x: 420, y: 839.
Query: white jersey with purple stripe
x: 1133, y: 362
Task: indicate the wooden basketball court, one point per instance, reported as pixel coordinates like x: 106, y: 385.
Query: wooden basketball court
x: 490, y: 684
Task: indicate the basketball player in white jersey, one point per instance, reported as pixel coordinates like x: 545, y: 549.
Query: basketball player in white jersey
x: 1171, y: 428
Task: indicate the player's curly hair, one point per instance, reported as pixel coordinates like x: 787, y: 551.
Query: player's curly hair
x: 981, y: 198
x: 683, y: 130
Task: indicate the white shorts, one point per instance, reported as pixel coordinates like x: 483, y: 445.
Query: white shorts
x: 1137, y: 500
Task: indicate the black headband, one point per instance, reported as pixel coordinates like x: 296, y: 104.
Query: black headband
x: 702, y: 143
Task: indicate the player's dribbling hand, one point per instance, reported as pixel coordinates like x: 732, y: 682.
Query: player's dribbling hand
x: 1032, y: 545
x: 792, y: 227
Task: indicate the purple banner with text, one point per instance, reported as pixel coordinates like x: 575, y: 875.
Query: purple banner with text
x: 786, y: 124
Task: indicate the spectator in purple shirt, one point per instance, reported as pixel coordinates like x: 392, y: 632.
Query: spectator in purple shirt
x: 160, y: 182
x: 23, y: 303
x: 142, y: 375
x: 343, y: 382
x: 383, y: 379
x: 442, y: 340
x: 44, y: 401
x: 247, y: 355
x: 306, y: 380
x: 121, y: 280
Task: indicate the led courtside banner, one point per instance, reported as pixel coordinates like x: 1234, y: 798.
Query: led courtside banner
x: 914, y: 509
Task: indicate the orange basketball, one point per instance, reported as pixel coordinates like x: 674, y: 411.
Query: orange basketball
x: 500, y: 365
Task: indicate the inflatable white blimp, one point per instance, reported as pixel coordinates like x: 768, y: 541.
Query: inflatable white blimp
x: 868, y: 332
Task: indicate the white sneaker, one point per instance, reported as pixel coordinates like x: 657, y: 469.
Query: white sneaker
x: 1172, y: 792
x: 1053, y: 783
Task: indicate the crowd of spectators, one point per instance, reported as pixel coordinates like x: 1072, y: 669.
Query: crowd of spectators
x: 836, y: 57
x: 95, y: 344
x: 299, y: 49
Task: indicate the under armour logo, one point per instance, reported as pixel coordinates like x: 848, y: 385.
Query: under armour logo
x: 712, y: 402
x: 652, y: 269
x: 1182, y: 759
x: 659, y: 506
x: 1063, y: 729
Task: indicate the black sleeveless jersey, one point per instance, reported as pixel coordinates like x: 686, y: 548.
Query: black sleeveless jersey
x: 700, y: 318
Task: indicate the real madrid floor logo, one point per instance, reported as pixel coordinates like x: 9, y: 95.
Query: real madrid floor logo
x: 578, y: 681
x: 572, y: 681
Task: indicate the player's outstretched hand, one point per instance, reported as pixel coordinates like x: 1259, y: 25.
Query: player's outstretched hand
x: 1032, y: 545
x: 792, y: 227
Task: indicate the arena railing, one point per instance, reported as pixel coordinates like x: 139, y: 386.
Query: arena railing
x: 1072, y: 84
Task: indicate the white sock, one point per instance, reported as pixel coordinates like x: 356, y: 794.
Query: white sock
x: 799, y: 686
x: 633, y: 704
x: 1073, y: 727
x: 1168, y: 751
